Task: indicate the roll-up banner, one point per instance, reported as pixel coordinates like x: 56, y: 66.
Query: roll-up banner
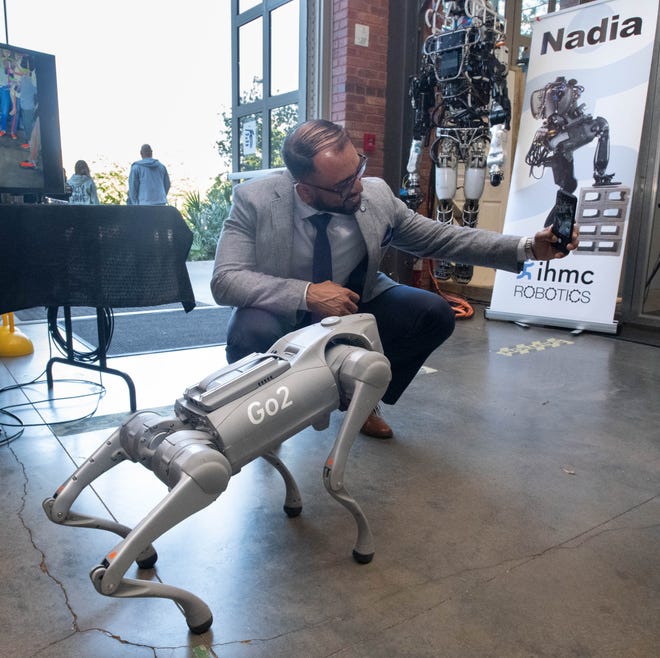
x: 578, y: 144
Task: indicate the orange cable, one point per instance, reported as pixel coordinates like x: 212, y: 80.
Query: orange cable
x: 462, y: 308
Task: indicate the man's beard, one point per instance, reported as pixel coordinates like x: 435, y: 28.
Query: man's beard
x: 347, y: 207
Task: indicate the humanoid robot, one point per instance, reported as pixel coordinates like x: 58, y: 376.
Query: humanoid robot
x: 460, y: 92
x: 566, y: 127
x: 227, y: 420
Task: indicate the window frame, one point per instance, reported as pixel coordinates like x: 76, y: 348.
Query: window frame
x: 265, y: 105
x: 515, y: 39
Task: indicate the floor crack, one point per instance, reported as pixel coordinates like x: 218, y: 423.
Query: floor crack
x: 586, y: 535
x: 509, y: 564
x: 42, y: 563
x: 43, y: 566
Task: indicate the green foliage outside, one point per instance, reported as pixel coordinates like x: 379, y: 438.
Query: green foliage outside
x: 283, y: 120
x: 205, y: 217
x: 205, y: 213
x: 112, y: 184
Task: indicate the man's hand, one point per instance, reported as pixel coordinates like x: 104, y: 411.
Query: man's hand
x: 544, y: 241
x: 330, y: 298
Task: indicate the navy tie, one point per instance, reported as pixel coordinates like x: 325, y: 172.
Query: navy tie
x: 322, y: 262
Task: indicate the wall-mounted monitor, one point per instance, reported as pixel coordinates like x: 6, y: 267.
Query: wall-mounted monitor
x: 30, y: 144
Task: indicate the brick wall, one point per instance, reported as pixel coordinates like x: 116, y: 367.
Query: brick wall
x: 359, y: 74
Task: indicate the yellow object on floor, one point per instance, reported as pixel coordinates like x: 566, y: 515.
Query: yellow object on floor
x: 12, y: 341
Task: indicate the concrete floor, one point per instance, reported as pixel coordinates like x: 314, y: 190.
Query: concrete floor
x: 515, y: 513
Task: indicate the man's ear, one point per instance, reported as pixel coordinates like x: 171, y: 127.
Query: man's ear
x: 304, y: 193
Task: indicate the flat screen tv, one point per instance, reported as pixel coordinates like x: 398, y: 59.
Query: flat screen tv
x: 30, y: 144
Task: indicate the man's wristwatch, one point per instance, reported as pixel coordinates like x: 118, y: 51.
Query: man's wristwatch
x: 525, y: 252
x: 529, y: 251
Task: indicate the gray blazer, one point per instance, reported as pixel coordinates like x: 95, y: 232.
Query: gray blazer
x: 253, y: 258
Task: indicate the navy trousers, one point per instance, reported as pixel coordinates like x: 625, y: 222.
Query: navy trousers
x: 411, y: 323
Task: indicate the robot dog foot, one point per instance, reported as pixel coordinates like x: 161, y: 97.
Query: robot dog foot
x: 198, y: 615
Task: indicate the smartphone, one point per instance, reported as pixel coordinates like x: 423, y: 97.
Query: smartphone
x: 563, y: 219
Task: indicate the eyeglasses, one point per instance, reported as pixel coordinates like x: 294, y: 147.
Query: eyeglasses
x: 344, y: 188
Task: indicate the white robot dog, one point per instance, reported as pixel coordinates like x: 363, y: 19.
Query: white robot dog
x: 227, y: 420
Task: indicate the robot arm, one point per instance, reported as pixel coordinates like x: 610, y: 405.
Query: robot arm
x: 421, y: 92
x: 227, y: 420
x: 601, y: 129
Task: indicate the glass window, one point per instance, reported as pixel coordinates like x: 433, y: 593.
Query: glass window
x: 520, y: 16
x: 499, y: 6
x: 282, y: 120
x: 531, y: 9
x: 244, y: 5
x: 250, y: 61
x: 250, y: 152
x: 269, y: 46
x: 284, y: 38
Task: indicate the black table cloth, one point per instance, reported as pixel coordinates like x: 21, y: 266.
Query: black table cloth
x: 98, y: 256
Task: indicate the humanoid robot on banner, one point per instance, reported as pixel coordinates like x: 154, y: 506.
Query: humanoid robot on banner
x: 566, y: 128
x: 459, y: 94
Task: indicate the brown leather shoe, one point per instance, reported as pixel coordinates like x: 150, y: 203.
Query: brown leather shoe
x: 376, y: 426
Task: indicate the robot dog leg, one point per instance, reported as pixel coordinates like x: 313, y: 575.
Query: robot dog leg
x: 58, y: 508
x: 227, y: 420
x: 188, y: 463
x: 363, y: 375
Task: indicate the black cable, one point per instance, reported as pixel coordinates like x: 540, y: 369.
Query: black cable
x: 108, y: 320
x: 60, y: 342
x: 13, y: 387
x: 8, y: 439
x: 100, y: 393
